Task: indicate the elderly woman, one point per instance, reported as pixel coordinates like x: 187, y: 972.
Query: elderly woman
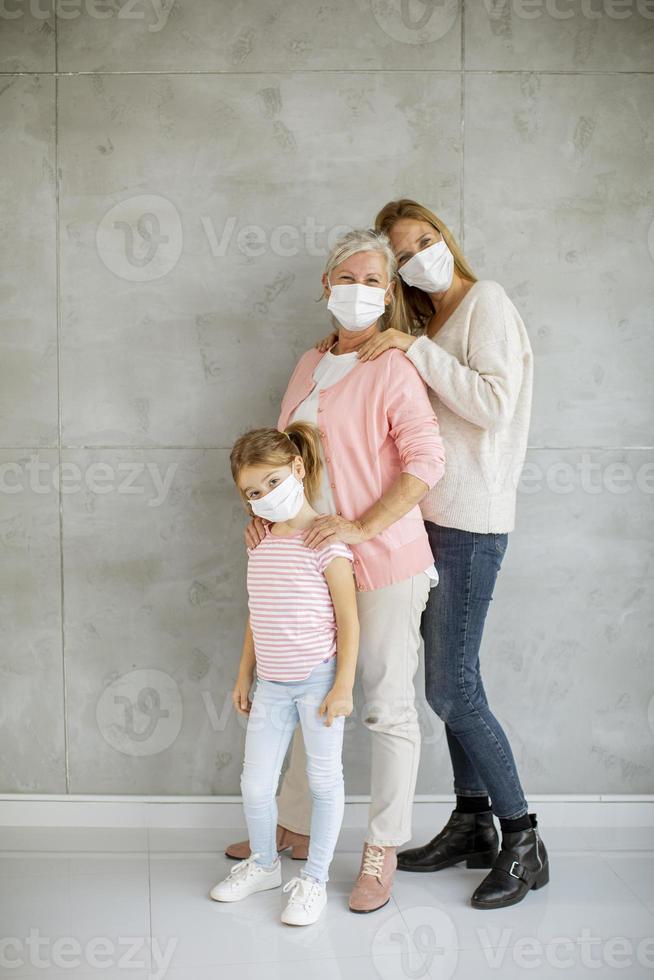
x: 382, y: 452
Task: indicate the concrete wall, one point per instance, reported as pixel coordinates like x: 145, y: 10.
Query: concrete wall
x: 170, y: 176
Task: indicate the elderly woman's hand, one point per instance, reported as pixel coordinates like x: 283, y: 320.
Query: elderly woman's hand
x: 333, y: 528
x: 326, y: 342
x: 384, y: 341
x: 255, y: 532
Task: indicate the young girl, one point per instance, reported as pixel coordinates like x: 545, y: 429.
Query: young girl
x: 302, y: 634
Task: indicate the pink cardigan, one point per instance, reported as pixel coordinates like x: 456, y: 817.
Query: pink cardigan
x: 375, y: 423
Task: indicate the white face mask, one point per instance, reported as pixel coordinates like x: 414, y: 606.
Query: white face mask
x: 356, y: 306
x: 282, y: 503
x: 430, y: 270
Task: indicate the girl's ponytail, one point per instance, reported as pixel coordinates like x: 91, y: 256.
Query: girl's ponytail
x: 306, y: 439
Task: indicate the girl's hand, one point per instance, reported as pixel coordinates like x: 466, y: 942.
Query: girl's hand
x: 337, y: 702
x: 385, y: 341
x: 255, y: 532
x: 334, y: 528
x: 327, y: 342
x: 241, y: 694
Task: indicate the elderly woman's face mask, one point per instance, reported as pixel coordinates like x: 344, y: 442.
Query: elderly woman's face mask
x: 355, y: 305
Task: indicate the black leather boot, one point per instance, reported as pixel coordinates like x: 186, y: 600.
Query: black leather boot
x: 521, y: 865
x: 469, y: 837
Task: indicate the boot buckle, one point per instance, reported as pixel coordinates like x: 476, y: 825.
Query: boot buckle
x: 516, y: 864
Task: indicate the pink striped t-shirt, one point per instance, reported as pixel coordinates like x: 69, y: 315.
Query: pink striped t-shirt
x: 291, y: 611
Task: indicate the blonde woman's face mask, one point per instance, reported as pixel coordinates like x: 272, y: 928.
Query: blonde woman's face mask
x: 431, y: 269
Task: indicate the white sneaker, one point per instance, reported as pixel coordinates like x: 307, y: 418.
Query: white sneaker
x: 308, y: 899
x: 244, y: 879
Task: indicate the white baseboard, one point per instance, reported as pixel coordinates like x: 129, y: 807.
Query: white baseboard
x: 37, y: 810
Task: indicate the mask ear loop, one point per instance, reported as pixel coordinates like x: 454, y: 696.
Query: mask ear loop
x: 389, y: 309
x: 297, y: 453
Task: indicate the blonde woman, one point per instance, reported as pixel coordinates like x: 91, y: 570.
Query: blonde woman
x: 467, y: 340
x: 382, y: 452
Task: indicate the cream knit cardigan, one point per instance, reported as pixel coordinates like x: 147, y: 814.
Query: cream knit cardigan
x: 479, y: 371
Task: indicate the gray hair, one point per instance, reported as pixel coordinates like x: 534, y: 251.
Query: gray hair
x: 362, y: 240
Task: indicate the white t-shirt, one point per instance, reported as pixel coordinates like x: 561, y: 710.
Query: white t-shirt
x: 330, y: 369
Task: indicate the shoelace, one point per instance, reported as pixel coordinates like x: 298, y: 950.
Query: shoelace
x: 373, y: 860
x: 304, y: 891
x: 243, y: 868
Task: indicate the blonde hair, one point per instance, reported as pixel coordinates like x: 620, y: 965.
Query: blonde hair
x: 413, y: 309
x: 365, y: 240
x: 269, y: 446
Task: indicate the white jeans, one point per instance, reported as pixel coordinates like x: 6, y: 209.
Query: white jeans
x: 276, y: 708
x: 389, y: 645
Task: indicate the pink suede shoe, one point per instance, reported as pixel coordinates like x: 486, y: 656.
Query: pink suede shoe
x: 372, y: 889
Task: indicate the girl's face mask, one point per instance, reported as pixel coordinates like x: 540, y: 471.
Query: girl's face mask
x: 430, y: 270
x: 282, y: 503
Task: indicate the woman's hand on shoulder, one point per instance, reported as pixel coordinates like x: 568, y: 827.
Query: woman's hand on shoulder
x: 331, y: 527
x: 255, y: 532
x: 327, y: 342
x: 385, y: 340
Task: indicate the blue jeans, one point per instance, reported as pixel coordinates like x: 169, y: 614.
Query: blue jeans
x: 276, y: 708
x: 452, y: 626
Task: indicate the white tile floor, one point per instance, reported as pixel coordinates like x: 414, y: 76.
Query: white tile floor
x: 133, y: 904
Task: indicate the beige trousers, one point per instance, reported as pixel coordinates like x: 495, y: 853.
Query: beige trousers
x: 389, y: 621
